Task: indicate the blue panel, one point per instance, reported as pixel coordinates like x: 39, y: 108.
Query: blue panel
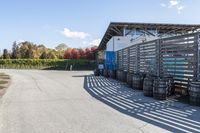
x: 110, y: 60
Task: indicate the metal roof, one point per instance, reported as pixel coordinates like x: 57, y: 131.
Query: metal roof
x: 116, y: 29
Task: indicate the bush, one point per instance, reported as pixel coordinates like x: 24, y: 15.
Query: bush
x: 53, y: 64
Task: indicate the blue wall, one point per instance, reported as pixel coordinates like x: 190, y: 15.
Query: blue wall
x: 110, y: 60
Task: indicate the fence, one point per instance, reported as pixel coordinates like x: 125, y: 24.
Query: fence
x: 175, y: 56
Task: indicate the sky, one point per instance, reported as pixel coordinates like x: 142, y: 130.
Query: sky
x: 80, y: 23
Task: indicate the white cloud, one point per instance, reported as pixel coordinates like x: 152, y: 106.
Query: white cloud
x: 174, y: 4
x: 95, y: 42
x: 74, y: 34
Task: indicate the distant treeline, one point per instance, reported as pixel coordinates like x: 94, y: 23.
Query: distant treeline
x: 29, y: 50
x: 54, y: 64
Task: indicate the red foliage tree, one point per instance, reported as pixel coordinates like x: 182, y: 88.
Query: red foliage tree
x: 68, y: 54
x: 93, y: 49
x: 75, y: 54
x: 88, y: 53
x: 82, y: 53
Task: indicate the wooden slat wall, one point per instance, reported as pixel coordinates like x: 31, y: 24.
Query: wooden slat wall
x: 178, y: 58
x: 147, y: 59
x: 133, y: 63
x: 175, y: 56
x: 125, y: 62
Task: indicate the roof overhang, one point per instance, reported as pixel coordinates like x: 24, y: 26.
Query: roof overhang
x: 117, y: 28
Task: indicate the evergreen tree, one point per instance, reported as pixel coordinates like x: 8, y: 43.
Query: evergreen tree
x: 6, y: 54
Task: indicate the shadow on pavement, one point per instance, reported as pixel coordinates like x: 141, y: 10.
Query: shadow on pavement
x: 169, y: 114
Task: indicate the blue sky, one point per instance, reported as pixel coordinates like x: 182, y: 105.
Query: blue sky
x: 79, y: 23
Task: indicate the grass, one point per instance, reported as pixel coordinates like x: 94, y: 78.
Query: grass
x: 4, y: 77
x: 1, y: 87
x: 3, y: 82
x: 2, y: 74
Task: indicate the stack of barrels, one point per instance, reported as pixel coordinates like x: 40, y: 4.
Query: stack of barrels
x: 194, y: 92
x: 152, y: 86
x: 121, y: 75
x: 137, y: 82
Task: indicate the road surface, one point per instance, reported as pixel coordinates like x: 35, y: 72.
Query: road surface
x: 56, y: 102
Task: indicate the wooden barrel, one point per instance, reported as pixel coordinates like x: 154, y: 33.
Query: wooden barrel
x: 112, y: 74
x: 105, y: 73
x: 121, y: 75
x: 137, y: 82
x: 118, y: 74
x: 130, y: 79
x: 171, y: 88
x: 160, y: 87
x: 194, y: 92
x: 148, y: 86
x: 96, y: 72
x: 101, y: 72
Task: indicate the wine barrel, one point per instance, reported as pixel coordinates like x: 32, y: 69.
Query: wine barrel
x: 171, y: 88
x: 96, y: 72
x: 112, y: 74
x: 105, y: 73
x: 160, y: 87
x: 129, y: 79
x: 121, y: 75
x: 194, y: 92
x: 148, y: 86
x: 137, y: 82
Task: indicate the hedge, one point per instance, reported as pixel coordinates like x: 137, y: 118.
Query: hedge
x: 54, y: 64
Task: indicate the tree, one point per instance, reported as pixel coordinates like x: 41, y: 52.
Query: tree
x: 68, y: 54
x: 93, y: 49
x: 61, y: 47
x: 43, y: 55
x: 51, y: 55
x: 15, y: 51
x: 6, y: 54
x: 82, y: 53
x: 75, y: 54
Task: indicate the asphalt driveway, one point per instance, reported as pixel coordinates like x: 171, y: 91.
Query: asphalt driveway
x: 71, y: 102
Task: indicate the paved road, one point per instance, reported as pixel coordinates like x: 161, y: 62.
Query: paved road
x: 56, y: 102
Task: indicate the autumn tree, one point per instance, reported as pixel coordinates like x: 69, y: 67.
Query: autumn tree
x: 75, y: 54
x: 43, y: 55
x: 67, y: 54
x: 82, y: 53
